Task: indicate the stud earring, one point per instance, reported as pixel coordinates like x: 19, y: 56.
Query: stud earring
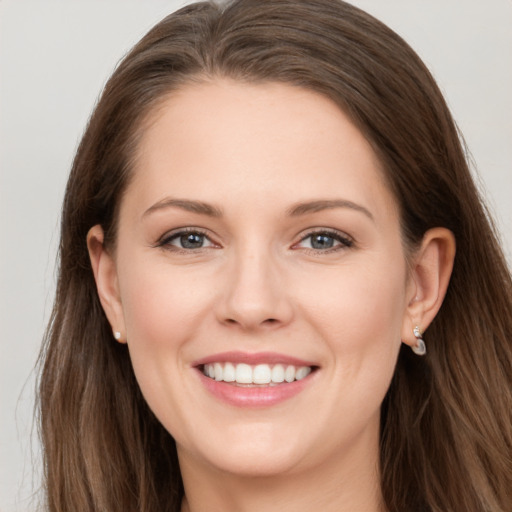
x: 117, y: 335
x: 420, y: 349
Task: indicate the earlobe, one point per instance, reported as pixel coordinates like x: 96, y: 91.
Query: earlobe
x: 429, y: 279
x: 105, y: 275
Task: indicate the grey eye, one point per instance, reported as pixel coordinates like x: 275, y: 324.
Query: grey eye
x: 322, y: 241
x: 325, y: 240
x: 189, y: 240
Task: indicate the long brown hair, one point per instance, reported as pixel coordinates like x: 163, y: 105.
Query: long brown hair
x: 446, y: 427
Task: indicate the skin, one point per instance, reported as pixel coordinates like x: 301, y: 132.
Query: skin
x: 254, y: 153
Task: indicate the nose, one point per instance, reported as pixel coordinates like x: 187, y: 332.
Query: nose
x: 255, y: 296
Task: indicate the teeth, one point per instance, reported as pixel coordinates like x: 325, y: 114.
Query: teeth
x: 262, y: 374
x: 302, y: 372
x: 259, y: 374
x: 217, y: 371
x: 229, y: 373
x: 289, y: 374
x: 243, y: 374
x: 278, y: 373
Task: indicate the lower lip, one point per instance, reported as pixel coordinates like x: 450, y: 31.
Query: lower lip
x: 255, y: 397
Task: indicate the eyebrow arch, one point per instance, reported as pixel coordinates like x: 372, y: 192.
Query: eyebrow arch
x: 327, y: 204
x: 185, y: 204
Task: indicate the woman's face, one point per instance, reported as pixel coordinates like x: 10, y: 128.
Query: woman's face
x: 259, y: 242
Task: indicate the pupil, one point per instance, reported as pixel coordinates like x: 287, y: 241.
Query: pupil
x: 322, y: 242
x: 191, y: 241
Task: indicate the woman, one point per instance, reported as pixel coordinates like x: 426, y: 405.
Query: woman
x: 269, y: 207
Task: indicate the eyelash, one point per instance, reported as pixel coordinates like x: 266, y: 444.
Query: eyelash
x: 165, y: 241
x: 345, y: 242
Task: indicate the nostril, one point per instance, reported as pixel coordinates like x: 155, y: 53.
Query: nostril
x: 268, y: 321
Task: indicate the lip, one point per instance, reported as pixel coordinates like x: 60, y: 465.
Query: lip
x: 257, y: 396
x: 252, y: 359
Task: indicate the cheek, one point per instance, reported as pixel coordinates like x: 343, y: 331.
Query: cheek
x: 164, y: 309
x: 162, y: 306
x: 359, y: 314
x: 373, y: 352
x: 358, y: 301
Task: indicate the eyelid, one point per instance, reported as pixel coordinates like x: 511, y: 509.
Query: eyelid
x: 165, y: 239
x: 345, y: 240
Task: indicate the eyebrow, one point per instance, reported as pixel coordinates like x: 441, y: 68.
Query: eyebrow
x: 327, y: 204
x: 185, y: 204
x: 299, y: 209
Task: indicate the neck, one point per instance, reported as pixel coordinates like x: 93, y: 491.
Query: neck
x: 335, y: 486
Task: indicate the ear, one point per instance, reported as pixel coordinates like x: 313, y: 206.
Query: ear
x: 105, y: 275
x: 430, y: 273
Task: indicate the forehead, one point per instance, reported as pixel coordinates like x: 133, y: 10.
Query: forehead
x: 222, y: 139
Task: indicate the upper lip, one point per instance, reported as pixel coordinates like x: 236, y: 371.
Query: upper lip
x: 252, y: 359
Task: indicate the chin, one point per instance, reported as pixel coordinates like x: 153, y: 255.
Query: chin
x: 249, y: 464
x: 245, y: 454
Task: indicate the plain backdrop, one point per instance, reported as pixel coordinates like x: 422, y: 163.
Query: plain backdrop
x: 55, y: 56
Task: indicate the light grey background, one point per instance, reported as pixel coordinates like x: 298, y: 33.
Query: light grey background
x: 54, y: 59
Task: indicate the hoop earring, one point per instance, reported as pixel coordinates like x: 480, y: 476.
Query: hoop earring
x: 420, y: 349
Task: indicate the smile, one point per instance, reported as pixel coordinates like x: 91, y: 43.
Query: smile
x: 255, y: 380
x: 255, y: 375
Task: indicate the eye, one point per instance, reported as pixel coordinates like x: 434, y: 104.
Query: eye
x: 325, y: 241
x: 186, y: 240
